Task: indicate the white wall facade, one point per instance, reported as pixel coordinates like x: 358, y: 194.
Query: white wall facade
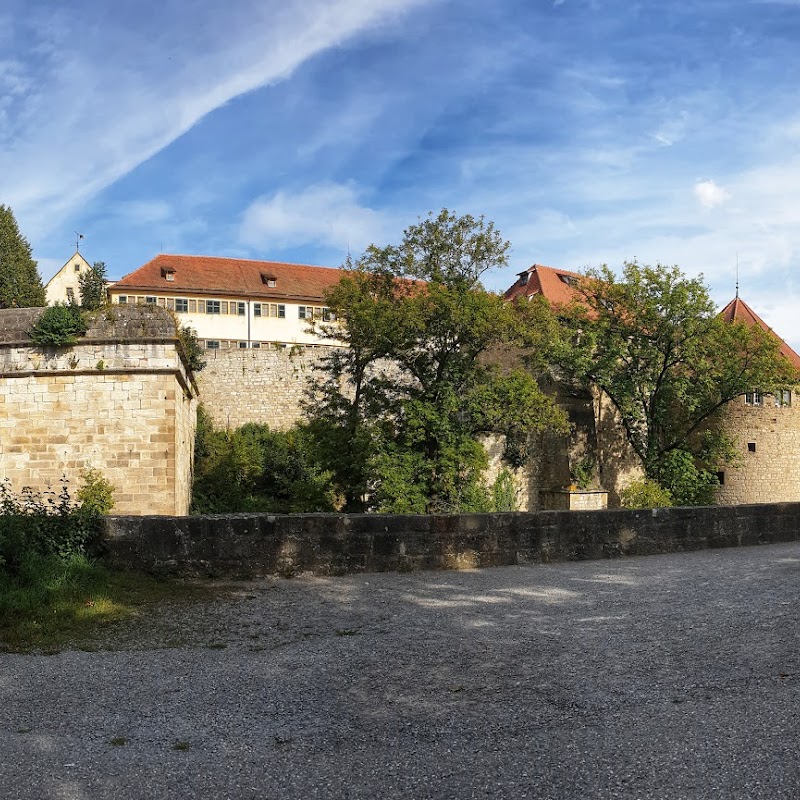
x: 63, y: 286
x: 226, y: 322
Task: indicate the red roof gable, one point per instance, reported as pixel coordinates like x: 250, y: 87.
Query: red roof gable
x: 738, y: 311
x: 230, y: 276
x: 553, y: 284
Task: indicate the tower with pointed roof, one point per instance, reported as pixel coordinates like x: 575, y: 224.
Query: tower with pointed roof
x: 766, y: 432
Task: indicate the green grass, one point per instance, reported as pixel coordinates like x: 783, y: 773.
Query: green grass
x: 50, y: 603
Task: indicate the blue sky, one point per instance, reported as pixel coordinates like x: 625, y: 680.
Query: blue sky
x: 590, y: 132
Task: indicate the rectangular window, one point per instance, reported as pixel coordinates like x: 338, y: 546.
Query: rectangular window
x: 783, y: 399
x: 328, y: 315
x: 240, y: 309
x: 181, y: 305
x: 752, y: 398
x: 212, y: 306
x: 170, y: 304
x: 243, y: 345
x: 150, y: 300
x: 255, y: 345
x: 170, y: 276
x: 123, y: 299
x: 281, y: 312
x: 301, y: 312
x: 192, y: 306
x: 224, y: 307
x: 256, y: 309
x: 162, y: 301
x: 70, y: 294
x: 77, y: 267
x: 212, y: 344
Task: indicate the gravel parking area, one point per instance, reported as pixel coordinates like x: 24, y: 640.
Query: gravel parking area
x: 663, y: 677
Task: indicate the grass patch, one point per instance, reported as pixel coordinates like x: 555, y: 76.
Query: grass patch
x: 51, y: 603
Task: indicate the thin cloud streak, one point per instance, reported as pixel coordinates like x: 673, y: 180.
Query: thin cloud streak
x: 108, y: 122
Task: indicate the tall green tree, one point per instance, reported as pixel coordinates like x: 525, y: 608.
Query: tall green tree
x: 400, y: 410
x: 92, y: 286
x: 653, y: 342
x: 20, y: 284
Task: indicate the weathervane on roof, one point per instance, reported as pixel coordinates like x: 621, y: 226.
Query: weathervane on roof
x: 78, y: 237
x: 737, y: 274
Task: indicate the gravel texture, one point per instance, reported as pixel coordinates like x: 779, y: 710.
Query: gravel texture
x: 663, y: 677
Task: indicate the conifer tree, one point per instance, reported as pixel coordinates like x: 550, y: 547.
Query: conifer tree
x: 20, y: 284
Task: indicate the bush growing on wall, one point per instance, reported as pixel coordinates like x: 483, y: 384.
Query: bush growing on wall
x: 59, y: 326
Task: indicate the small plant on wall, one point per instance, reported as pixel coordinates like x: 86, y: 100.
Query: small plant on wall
x: 59, y: 326
x: 584, y: 473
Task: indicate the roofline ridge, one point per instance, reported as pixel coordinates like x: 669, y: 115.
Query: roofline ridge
x: 240, y: 259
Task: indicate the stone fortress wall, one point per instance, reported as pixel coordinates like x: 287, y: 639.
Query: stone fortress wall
x: 267, y: 387
x: 257, y: 385
x: 121, y: 401
x: 767, y: 442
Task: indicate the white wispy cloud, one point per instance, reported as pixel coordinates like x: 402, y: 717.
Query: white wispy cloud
x: 328, y: 214
x: 85, y: 115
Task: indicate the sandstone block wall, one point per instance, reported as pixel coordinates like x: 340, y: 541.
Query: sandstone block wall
x: 267, y: 387
x: 120, y: 401
x: 767, y: 440
x: 263, y: 386
x: 334, y: 544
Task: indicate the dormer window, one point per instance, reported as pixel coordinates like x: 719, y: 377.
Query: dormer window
x: 168, y: 273
x: 269, y: 280
x: 524, y: 277
x: 568, y: 279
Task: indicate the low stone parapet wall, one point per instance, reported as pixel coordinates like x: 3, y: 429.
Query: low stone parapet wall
x: 334, y: 544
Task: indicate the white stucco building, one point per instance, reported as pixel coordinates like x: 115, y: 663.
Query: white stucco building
x: 231, y: 302
x: 63, y: 286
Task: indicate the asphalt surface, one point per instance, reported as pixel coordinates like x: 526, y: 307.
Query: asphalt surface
x: 661, y: 677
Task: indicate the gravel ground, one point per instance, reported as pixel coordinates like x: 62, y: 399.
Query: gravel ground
x: 663, y: 677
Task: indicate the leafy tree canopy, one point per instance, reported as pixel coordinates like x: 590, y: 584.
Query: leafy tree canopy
x: 398, y: 412
x: 653, y: 342
x: 20, y: 284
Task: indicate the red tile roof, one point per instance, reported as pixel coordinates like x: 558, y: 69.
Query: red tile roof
x: 553, y: 284
x: 230, y: 277
x: 738, y: 311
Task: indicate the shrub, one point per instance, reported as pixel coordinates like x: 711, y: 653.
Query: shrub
x: 645, y: 493
x: 96, y: 494
x: 504, y: 492
x: 584, y: 473
x: 191, y: 347
x: 688, y: 484
x: 50, y: 524
x: 59, y: 326
x: 255, y: 469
